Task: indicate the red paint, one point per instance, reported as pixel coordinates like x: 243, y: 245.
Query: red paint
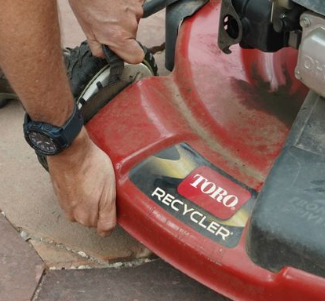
x: 214, y: 192
x: 236, y: 111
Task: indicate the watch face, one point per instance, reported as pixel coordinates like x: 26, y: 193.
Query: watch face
x: 42, y: 143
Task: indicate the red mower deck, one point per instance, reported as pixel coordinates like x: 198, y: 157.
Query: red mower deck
x: 192, y: 151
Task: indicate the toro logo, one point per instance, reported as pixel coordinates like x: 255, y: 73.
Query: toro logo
x: 214, y: 192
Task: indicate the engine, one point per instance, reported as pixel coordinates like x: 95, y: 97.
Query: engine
x: 270, y: 25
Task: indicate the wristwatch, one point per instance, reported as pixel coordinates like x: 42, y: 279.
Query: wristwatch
x: 50, y: 140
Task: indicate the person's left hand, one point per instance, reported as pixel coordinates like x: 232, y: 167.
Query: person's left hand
x: 84, y: 182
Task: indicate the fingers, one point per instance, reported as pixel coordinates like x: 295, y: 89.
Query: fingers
x: 131, y: 52
x: 85, y: 214
x: 112, y: 23
x: 86, y: 217
x: 86, y: 188
x: 127, y: 48
x: 94, y: 212
x: 102, y: 217
x: 107, y: 213
x: 96, y: 48
x: 122, y: 40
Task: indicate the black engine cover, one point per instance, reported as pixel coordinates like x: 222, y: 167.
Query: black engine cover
x: 314, y: 5
x: 288, y: 223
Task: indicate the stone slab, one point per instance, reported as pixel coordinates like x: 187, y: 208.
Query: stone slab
x: 155, y: 281
x: 58, y: 257
x: 20, y: 267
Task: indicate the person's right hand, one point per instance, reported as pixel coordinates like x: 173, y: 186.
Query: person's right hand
x: 84, y: 182
x: 113, y: 23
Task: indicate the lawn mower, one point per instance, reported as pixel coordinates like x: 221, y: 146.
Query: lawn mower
x: 220, y: 165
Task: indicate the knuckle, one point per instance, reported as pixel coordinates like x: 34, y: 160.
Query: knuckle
x: 82, y: 222
x: 71, y: 218
x: 140, y: 12
x: 96, y: 49
x: 136, y: 58
x: 68, y: 213
x: 82, y: 219
x: 118, y: 37
x: 107, y: 226
x: 104, y: 233
x: 134, y: 24
x: 97, y: 52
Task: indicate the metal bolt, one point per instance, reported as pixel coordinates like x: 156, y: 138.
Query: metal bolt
x: 305, y: 22
x: 297, y: 73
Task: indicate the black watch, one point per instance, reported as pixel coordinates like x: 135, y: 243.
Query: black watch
x: 50, y: 140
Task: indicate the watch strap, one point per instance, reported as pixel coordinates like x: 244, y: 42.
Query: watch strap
x: 62, y: 136
x: 73, y: 125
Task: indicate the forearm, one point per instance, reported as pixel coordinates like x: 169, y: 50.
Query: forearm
x: 31, y: 57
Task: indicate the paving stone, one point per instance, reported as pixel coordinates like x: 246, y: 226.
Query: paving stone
x: 58, y: 257
x: 155, y: 281
x: 20, y: 267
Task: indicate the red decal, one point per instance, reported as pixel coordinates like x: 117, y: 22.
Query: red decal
x: 214, y: 192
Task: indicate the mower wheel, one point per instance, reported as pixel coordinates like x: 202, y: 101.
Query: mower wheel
x: 3, y: 102
x: 6, y: 92
x: 89, y: 82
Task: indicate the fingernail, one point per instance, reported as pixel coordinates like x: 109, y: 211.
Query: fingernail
x: 105, y: 234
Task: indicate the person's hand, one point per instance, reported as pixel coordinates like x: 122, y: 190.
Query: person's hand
x: 84, y: 182
x: 113, y: 23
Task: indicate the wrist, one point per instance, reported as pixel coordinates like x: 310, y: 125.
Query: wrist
x: 48, y: 139
x: 55, y: 117
x: 77, y: 152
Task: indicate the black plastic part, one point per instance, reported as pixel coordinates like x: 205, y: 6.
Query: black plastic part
x: 288, y: 20
x: 314, y: 5
x: 81, y: 67
x: 175, y: 14
x: 116, y: 64
x: 150, y: 7
x: 288, y: 222
x: 258, y: 29
x: 248, y: 22
x: 230, y: 27
x: 6, y: 92
x: 3, y: 103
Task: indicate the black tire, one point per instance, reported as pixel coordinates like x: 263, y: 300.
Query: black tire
x: 81, y: 66
x: 3, y: 103
x: 5, y: 89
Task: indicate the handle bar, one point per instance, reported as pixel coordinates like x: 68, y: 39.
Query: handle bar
x: 150, y: 7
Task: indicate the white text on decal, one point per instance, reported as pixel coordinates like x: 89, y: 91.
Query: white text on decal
x: 214, y: 191
x: 194, y: 215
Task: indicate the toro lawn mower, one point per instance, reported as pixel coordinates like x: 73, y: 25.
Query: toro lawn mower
x: 220, y: 166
